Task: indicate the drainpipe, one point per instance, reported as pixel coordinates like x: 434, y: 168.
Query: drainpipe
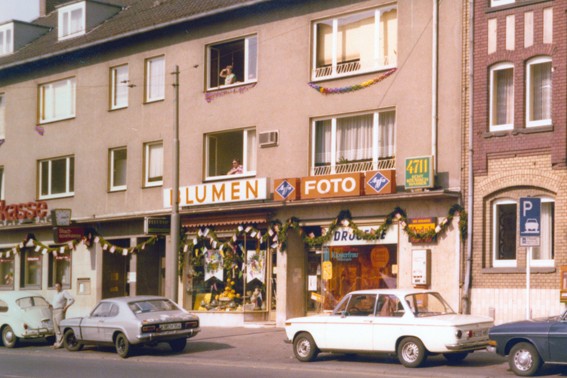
x: 434, y: 85
x: 468, y: 268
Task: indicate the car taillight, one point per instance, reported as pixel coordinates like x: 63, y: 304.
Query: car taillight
x: 470, y: 334
x: 149, y: 328
x: 25, y: 326
x: 459, y: 334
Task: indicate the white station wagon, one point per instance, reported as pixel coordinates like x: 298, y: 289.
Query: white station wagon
x: 409, y: 323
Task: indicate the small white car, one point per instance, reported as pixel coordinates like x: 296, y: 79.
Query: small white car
x: 24, y: 315
x: 409, y: 323
x: 532, y: 225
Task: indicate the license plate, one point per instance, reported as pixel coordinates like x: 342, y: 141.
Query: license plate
x: 46, y: 324
x: 169, y: 326
x: 480, y: 333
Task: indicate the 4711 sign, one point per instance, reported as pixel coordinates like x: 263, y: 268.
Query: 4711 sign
x: 419, y: 172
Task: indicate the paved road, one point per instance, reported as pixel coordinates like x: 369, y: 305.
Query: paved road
x: 234, y: 352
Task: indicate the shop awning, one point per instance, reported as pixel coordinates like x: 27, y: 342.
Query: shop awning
x: 225, y: 219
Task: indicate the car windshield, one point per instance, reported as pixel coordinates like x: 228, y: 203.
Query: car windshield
x: 152, y: 306
x: 31, y: 302
x: 428, y: 304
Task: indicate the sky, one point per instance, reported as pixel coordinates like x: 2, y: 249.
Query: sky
x: 23, y: 10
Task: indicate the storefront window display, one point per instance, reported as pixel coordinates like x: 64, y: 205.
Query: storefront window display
x: 30, y: 273
x: 230, y: 280
x: 6, y: 273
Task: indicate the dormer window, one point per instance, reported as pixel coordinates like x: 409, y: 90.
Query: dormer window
x: 6, y: 39
x: 71, y: 20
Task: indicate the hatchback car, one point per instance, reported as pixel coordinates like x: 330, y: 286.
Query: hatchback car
x: 24, y: 315
x: 409, y: 323
x: 128, y: 321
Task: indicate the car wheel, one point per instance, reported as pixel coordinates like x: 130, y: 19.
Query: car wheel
x: 304, y: 348
x: 524, y: 359
x: 70, y: 341
x: 178, y: 345
x: 411, y: 352
x: 455, y: 358
x: 123, y: 347
x: 9, y: 338
x: 51, y: 339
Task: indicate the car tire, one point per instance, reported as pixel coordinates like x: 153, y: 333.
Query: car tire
x: 123, y: 347
x: 455, y: 358
x: 524, y: 359
x: 304, y: 347
x: 9, y: 338
x: 70, y: 341
x: 178, y: 345
x: 411, y: 352
x: 51, y: 339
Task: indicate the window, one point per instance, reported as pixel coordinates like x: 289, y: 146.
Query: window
x: 118, y: 168
x: 57, y: 100
x: 2, y: 183
x: 496, y: 3
x: 71, y: 21
x: 354, y: 143
x: 56, y: 177
x: 119, y: 87
x: 60, y: 269
x: 240, y: 54
x: 502, y: 97
x: 355, y: 43
x: 538, y: 92
x: 222, y: 149
x: 6, y: 271
x: 544, y: 254
x: 154, y: 164
x: 102, y: 310
x: 2, y: 117
x: 30, y: 269
x: 155, y: 79
x: 7, y: 39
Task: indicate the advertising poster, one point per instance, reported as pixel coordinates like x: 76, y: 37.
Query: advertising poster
x: 256, y: 263
x: 213, y: 265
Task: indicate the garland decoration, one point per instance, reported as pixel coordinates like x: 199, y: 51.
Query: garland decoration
x: 40, y: 130
x: 211, y: 96
x: 352, y: 88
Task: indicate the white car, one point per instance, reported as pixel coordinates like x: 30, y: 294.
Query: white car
x: 409, y: 323
x: 24, y: 315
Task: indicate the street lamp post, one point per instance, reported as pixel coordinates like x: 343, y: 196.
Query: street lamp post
x: 175, y: 224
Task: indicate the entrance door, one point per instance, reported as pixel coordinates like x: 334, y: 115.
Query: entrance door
x: 149, y: 269
x: 273, y: 275
x: 115, y: 268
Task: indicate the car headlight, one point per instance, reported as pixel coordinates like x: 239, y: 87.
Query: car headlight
x: 459, y: 334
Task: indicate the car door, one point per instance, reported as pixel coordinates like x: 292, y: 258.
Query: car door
x: 388, y: 324
x: 350, y: 326
x: 90, y: 326
x: 558, y: 341
x: 109, y: 324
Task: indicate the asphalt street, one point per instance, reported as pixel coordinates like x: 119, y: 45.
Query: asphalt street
x: 234, y: 353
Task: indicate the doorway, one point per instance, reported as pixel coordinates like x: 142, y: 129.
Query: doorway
x: 115, y: 267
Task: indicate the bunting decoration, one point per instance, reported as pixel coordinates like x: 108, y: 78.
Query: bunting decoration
x: 213, y: 95
x: 40, y: 130
x: 352, y: 88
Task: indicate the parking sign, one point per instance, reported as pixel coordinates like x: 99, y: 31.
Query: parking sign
x: 530, y: 221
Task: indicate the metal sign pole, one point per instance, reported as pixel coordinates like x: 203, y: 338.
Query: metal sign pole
x: 528, y: 263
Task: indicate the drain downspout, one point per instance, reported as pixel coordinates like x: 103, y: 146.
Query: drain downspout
x: 434, y: 85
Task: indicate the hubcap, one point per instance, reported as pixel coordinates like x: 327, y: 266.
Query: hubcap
x: 523, y: 360
x: 410, y: 352
x: 121, y: 345
x: 9, y: 335
x: 303, y: 348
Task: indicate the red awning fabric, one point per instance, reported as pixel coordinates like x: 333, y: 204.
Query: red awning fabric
x: 224, y: 219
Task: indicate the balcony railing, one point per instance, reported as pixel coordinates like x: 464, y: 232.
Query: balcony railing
x: 355, y: 67
x: 354, y: 167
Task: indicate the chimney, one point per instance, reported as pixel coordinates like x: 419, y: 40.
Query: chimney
x: 48, y: 6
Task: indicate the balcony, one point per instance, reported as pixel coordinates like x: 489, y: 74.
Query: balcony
x: 354, y: 167
x: 354, y: 67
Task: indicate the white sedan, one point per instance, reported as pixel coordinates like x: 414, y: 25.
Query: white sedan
x: 409, y: 323
x: 24, y: 315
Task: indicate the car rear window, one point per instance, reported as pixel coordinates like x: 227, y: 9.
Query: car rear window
x: 28, y: 302
x: 152, y: 306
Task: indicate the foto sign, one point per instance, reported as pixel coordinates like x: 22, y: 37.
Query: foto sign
x: 530, y: 221
x: 419, y: 172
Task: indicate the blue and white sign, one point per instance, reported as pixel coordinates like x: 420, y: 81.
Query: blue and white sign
x: 285, y: 189
x: 378, y: 182
x: 530, y: 216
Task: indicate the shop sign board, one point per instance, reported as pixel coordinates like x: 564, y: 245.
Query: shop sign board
x: 419, y: 172
x: 28, y: 210
x: 380, y: 182
x: 157, y: 226
x: 421, y: 226
x: 344, y: 236
x: 218, y: 192
x: 287, y: 189
x: 66, y: 234
x: 342, y: 185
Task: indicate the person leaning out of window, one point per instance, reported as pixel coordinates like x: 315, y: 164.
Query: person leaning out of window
x: 229, y: 76
x: 236, y: 168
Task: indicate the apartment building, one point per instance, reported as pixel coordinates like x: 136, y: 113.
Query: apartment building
x: 316, y: 138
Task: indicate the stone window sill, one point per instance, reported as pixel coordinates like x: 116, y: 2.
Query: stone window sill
x: 538, y: 269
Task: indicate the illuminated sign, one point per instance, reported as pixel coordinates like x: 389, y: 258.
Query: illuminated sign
x: 342, y: 185
x: 419, y: 172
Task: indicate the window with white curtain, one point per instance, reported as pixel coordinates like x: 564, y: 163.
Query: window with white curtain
x: 354, y: 139
x: 155, y: 78
x: 7, y: 38
x: 57, y: 177
x: 57, y: 100
x: 543, y: 255
x: 230, y: 152
x: 71, y: 20
x: 496, y: 3
x: 502, y: 97
x: 119, y: 87
x: 153, y: 164
x: 2, y: 116
x: 118, y: 158
x: 538, y: 92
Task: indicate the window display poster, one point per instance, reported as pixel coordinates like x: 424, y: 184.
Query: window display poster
x: 256, y: 264
x: 213, y: 265
x: 312, y: 283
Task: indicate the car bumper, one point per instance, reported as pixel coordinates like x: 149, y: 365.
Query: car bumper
x: 168, y: 335
x: 287, y: 341
x: 39, y: 332
x: 473, y: 345
x: 491, y: 349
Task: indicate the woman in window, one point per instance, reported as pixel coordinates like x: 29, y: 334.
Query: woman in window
x: 229, y: 76
x: 236, y: 168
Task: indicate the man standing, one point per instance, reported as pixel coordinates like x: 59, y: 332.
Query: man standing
x: 61, y: 302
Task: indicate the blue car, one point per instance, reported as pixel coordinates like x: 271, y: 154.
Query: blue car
x: 531, y: 343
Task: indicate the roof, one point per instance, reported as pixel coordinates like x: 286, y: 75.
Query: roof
x: 136, y: 17
x: 15, y: 295
x: 398, y: 292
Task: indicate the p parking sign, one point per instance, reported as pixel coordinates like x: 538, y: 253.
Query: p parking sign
x: 530, y: 221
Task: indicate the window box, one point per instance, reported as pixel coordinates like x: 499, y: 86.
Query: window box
x: 153, y: 166
x: 57, y: 100
x: 56, y: 178
x: 241, y: 55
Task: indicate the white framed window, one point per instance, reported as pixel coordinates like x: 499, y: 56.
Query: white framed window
x: 7, y: 38
x: 59, y: 269
x: 496, y: 3
x: 538, y: 92
x: 57, y: 100
x: 544, y: 254
x: 118, y: 158
x: 501, y: 97
x: 232, y: 62
x: 2, y: 183
x: 230, y: 153
x: 119, y: 87
x: 71, y: 20
x: 504, y: 232
x: 57, y: 177
x: 355, y: 43
x: 2, y: 116
x: 353, y: 143
x: 155, y: 78
x: 153, y: 166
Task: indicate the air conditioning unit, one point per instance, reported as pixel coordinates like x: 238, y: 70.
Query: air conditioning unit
x: 269, y: 138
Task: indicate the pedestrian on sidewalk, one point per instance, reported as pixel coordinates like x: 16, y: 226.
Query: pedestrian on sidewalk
x: 61, y: 302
